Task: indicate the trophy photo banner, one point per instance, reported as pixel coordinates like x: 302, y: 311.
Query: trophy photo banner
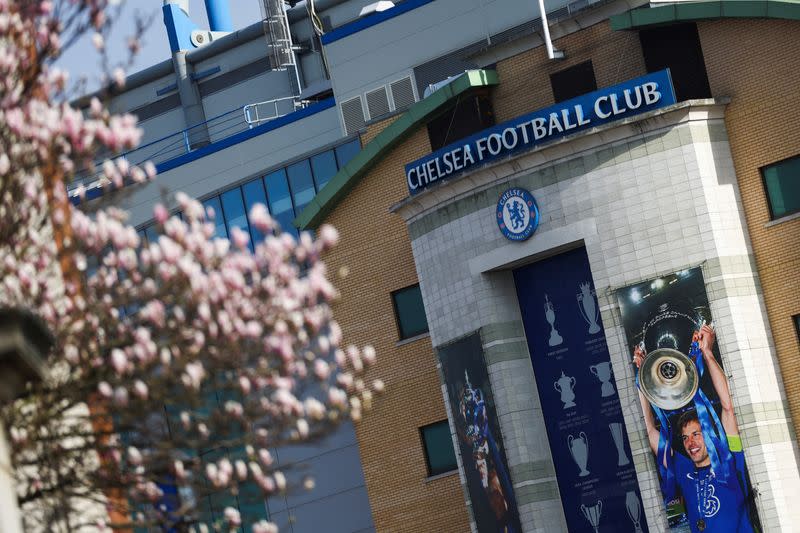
x: 687, y: 406
x: 581, y: 407
x: 483, y: 456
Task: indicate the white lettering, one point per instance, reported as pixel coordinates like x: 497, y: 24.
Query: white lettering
x: 579, y: 115
x: 565, y: 118
x: 554, y: 124
x: 457, y: 159
x: 651, y: 92
x: 599, y: 112
x: 524, y: 129
x: 638, y: 91
x: 509, y: 144
x: 412, y: 184
x: 447, y: 159
x: 614, y: 107
x: 495, y: 144
x: 422, y: 173
x: 539, y: 130
x: 481, y: 143
x: 431, y: 176
x: 468, y: 159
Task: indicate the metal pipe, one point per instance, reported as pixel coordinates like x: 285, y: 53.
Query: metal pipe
x: 219, y: 15
x: 551, y: 52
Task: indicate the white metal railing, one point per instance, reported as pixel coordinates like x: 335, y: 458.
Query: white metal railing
x: 258, y: 112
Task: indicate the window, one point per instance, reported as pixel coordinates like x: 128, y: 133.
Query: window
x: 797, y: 325
x: 301, y: 183
x: 438, y: 445
x: 253, y: 193
x: 280, y: 202
x: 346, y: 152
x: 324, y: 167
x: 573, y: 81
x: 782, y: 182
x: 409, y: 312
x: 677, y: 47
x: 233, y: 209
x: 471, y: 114
x: 219, y: 220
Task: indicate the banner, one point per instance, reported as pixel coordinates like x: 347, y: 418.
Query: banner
x: 581, y: 407
x: 478, y: 430
x: 691, y: 426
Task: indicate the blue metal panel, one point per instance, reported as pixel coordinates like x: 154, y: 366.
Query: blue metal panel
x: 179, y: 28
x: 584, y: 112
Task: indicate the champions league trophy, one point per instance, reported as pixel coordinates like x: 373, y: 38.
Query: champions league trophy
x: 564, y: 385
x: 668, y: 378
x: 603, y: 373
x: 579, y: 448
x: 634, y: 510
x: 616, y: 434
x: 592, y: 514
x: 588, y: 307
x: 550, y: 315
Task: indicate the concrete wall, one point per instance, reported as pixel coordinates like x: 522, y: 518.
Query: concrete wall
x: 649, y: 197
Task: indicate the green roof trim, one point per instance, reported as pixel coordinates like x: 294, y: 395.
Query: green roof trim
x: 349, y: 176
x: 716, y: 9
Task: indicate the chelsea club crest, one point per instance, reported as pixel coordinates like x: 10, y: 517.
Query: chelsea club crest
x: 517, y: 214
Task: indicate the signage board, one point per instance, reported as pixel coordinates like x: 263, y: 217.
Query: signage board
x: 605, y: 105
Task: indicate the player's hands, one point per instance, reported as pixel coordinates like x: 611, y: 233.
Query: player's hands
x: 638, y: 355
x: 706, y: 338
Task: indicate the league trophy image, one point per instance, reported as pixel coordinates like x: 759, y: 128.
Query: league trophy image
x: 550, y: 315
x: 616, y: 434
x: 592, y: 514
x: 668, y: 378
x: 634, y: 508
x: 564, y: 386
x: 579, y: 448
x: 588, y: 307
x: 603, y: 373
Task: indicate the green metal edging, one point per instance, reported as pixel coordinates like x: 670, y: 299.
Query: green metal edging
x: 347, y: 177
x: 694, y: 11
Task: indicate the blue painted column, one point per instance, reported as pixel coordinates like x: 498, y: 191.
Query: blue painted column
x: 219, y: 15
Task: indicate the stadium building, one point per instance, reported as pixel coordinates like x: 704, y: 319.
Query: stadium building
x: 526, y: 207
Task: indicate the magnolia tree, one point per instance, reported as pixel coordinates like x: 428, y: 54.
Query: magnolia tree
x: 162, y: 351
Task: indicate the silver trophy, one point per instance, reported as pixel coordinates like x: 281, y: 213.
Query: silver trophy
x: 603, y: 373
x: 588, y: 307
x: 668, y: 378
x: 564, y: 385
x: 616, y: 434
x: 634, y: 509
x: 592, y: 514
x: 550, y: 314
x: 579, y: 448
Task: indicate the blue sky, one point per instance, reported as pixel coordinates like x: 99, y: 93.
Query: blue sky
x: 83, y: 60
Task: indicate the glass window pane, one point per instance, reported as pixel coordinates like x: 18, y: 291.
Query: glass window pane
x: 254, y: 194
x: 347, y: 151
x: 324, y: 167
x: 410, y: 312
x: 301, y: 183
x: 233, y: 207
x: 280, y: 203
x: 151, y: 233
x: 219, y: 221
x: 439, y: 450
x: 783, y: 187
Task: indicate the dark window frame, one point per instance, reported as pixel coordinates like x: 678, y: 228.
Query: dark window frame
x: 556, y: 81
x: 423, y: 443
x: 762, y: 171
x: 796, y: 320
x: 397, y: 315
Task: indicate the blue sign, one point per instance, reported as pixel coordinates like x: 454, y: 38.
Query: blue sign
x: 517, y: 214
x: 633, y: 97
x: 582, y: 412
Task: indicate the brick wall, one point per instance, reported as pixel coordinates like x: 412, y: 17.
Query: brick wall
x: 376, y: 250
x: 757, y: 64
